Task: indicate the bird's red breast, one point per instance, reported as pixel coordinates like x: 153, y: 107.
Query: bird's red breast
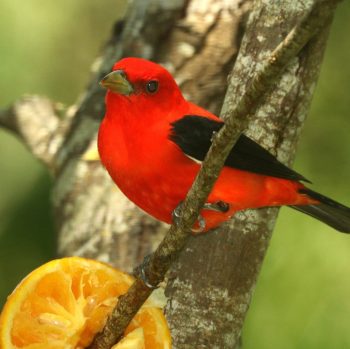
x: 152, y: 170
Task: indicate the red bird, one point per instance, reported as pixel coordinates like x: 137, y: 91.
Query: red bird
x: 152, y: 141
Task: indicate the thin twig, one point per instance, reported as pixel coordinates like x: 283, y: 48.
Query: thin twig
x: 236, y: 120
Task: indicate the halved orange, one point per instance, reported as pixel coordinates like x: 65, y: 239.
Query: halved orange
x: 133, y: 340
x: 65, y: 302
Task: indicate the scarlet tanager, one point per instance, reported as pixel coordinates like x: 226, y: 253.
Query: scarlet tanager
x: 152, y: 141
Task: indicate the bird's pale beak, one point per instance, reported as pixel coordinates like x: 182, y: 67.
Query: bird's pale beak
x: 117, y: 82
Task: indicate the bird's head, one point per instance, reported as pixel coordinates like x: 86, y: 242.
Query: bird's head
x: 139, y: 83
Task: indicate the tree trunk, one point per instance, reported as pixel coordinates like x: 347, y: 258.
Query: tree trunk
x: 186, y: 38
x: 210, y: 287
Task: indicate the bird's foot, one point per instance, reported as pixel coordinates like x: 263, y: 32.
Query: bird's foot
x: 177, y: 213
x: 218, y: 206
x: 176, y: 216
x: 200, y: 226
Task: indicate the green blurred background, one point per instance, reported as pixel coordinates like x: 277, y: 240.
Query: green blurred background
x: 302, y: 298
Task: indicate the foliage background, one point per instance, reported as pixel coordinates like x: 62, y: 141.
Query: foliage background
x: 302, y: 296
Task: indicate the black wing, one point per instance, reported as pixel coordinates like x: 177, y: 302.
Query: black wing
x: 193, y: 135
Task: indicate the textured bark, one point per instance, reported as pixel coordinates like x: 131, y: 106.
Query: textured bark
x: 117, y: 232
x: 183, y: 35
x: 218, y: 301
x: 35, y: 121
x: 180, y: 35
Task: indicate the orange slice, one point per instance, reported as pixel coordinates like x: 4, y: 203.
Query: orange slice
x: 133, y: 340
x: 64, y: 303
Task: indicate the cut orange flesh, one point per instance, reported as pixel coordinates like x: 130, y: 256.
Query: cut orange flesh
x: 133, y: 340
x: 64, y: 303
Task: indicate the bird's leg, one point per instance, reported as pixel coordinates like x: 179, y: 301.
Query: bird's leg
x: 177, y: 213
x: 218, y: 206
x: 201, y: 225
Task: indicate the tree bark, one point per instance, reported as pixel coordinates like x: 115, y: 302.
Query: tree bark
x: 185, y: 37
x: 211, y: 285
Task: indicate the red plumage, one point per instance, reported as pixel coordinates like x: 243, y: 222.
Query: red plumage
x: 151, y: 169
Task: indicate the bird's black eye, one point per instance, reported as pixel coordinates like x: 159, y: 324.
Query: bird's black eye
x: 152, y: 86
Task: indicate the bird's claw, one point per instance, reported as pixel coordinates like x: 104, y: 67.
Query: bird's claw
x: 177, y: 213
x: 218, y: 206
x: 201, y: 225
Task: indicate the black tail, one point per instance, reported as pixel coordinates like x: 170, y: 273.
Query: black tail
x: 328, y: 211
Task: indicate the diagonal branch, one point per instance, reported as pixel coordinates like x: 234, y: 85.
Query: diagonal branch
x: 232, y: 255
x: 82, y: 187
x: 236, y: 121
